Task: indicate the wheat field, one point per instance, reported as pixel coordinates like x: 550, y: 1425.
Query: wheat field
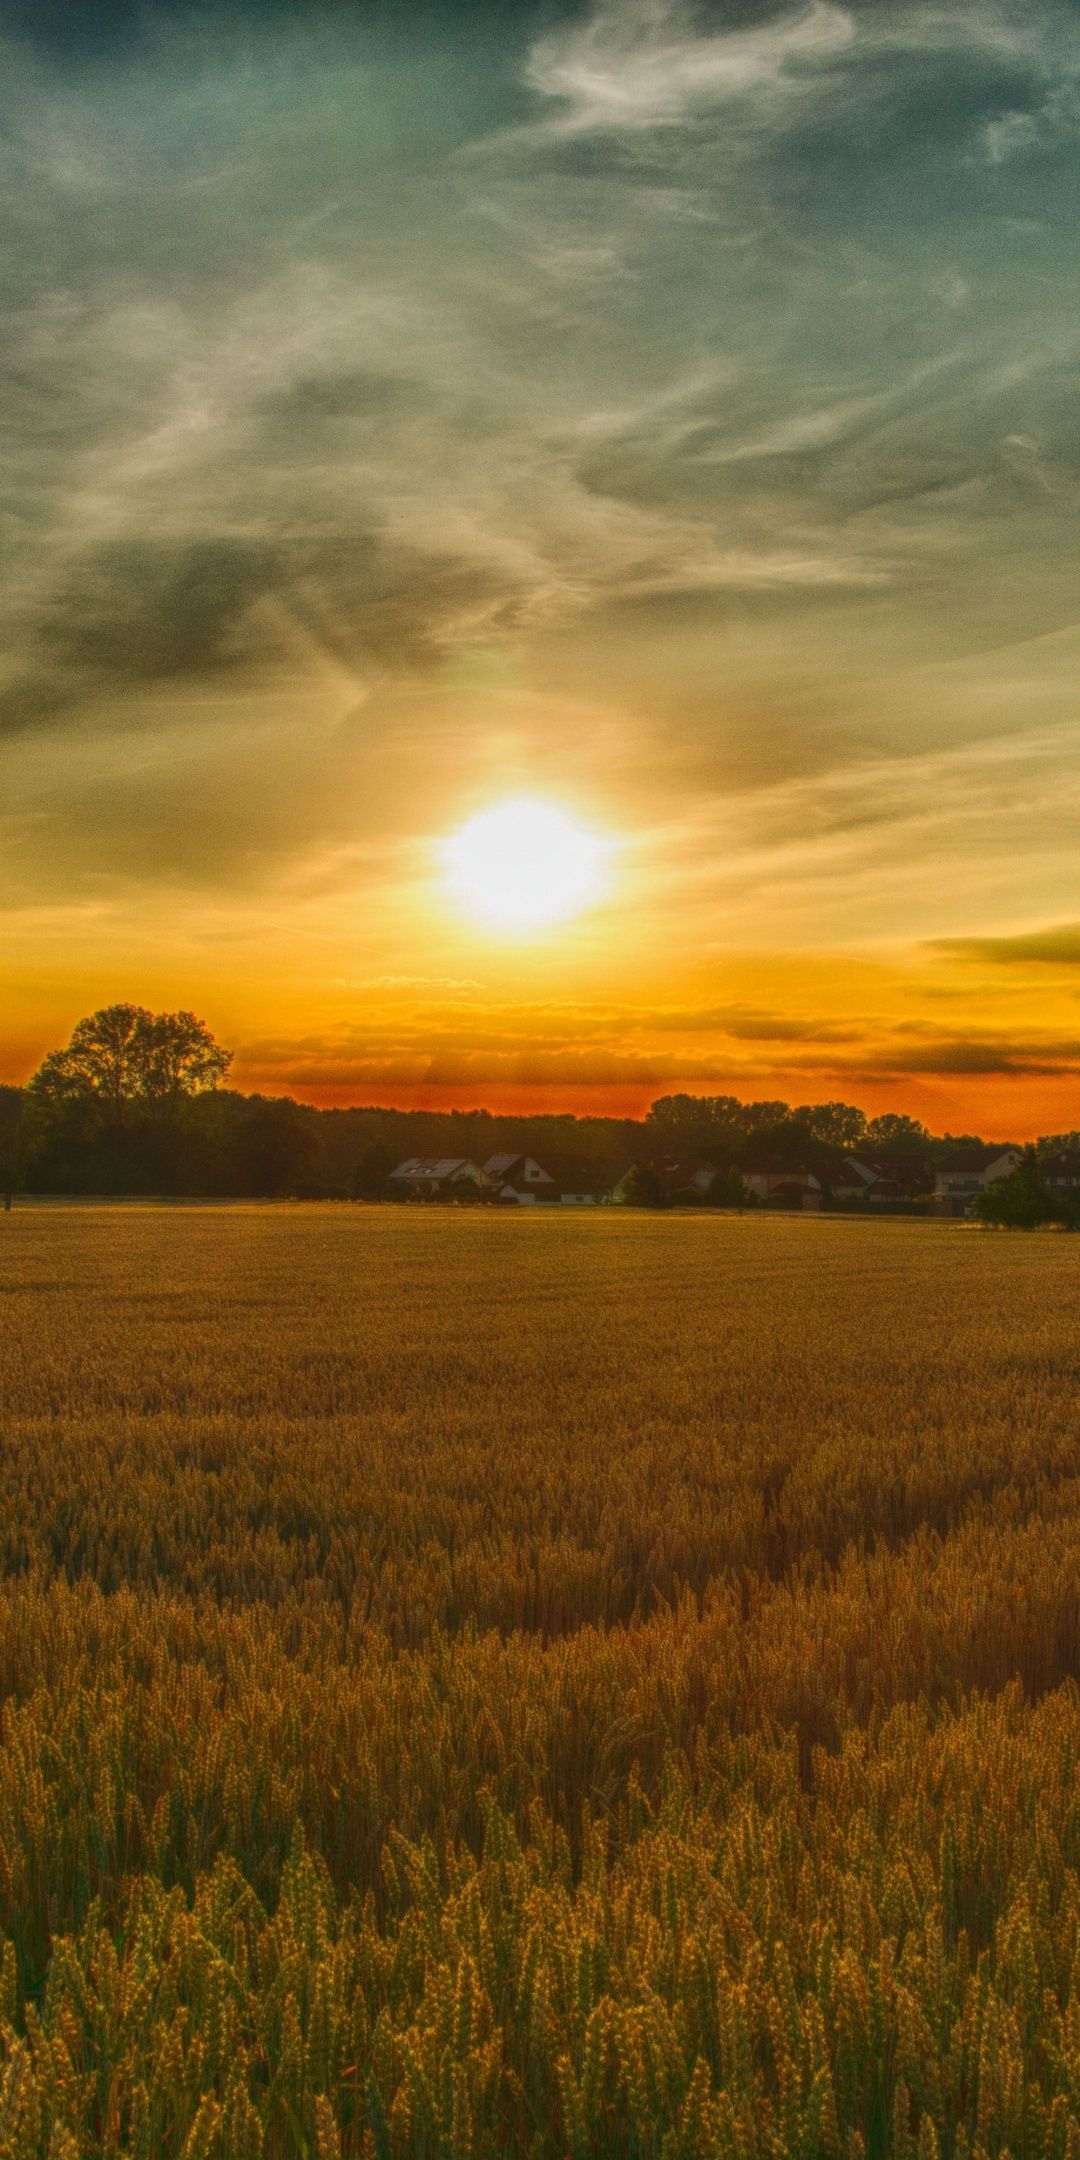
x: 557, y: 1686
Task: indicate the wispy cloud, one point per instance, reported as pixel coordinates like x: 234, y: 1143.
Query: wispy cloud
x: 640, y: 65
x: 450, y: 985
x: 644, y: 63
x: 881, y: 849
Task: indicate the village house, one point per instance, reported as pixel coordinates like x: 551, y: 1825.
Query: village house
x: 685, y: 1181
x: 959, y: 1182
x: 803, y: 1191
x: 578, y: 1187
x: 677, y: 1184
x: 521, y: 1181
x: 775, y: 1183
x: 895, y: 1176
x: 1062, y: 1171
x: 833, y: 1180
x: 444, y: 1177
x: 848, y: 1179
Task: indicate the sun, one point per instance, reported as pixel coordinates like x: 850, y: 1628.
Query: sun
x: 523, y: 865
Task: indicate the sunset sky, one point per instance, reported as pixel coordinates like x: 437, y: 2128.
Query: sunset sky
x: 664, y: 413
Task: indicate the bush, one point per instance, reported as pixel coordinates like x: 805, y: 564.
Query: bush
x: 1021, y: 1201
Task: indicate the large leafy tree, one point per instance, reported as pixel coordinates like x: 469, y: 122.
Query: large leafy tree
x: 124, y: 1054
x: 675, y: 1116
x: 711, y: 1125
x: 835, y: 1124
x: 181, y: 1057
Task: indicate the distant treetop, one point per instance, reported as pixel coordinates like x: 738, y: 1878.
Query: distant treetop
x: 892, y: 1130
x: 125, y: 1054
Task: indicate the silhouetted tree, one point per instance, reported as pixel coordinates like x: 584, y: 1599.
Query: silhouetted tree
x: 762, y: 1117
x: 111, y: 1111
x: 275, y: 1148
x: 368, y: 1180
x: 836, y: 1124
x: 180, y: 1057
x: 713, y: 1127
x: 673, y: 1116
x: 894, y: 1131
x: 103, y: 1064
x: 727, y: 1189
x: 124, y: 1054
x: 639, y: 1188
x: 14, y: 1141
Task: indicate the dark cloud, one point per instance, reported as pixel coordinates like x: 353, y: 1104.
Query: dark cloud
x: 1058, y: 946
x: 743, y: 1024
x: 331, y: 1061
x: 958, y: 1056
x: 142, y: 611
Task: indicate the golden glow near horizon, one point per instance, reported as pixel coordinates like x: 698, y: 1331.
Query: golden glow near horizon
x: 523, y: 866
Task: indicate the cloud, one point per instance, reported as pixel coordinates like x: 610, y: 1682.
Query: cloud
x: 636, y: 66
x: 338, y: 1061
x: 1058, y: 946
x: 456, y: 985
x: 409, y: 405
x: 878, y: 849
x: 743, y: 1024
x: 640, y: 64
x: 982, y: 1059
x: 270, y: 454
x: 545, y: 1043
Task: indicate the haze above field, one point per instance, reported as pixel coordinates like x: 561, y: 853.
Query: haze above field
x: 665, y: 415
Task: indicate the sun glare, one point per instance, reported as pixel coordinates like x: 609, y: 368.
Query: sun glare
x: 523, y: 865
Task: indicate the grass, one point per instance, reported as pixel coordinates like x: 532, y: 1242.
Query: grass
x: 481, y: 1685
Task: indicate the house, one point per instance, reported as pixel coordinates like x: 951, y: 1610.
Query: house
x: 969, y: 1170
x: 577, y: 1183
x: 906, y: 1188
x: 519, y: 1180
x: 801, y: 1190
x: 775, y: 1183
x: 894, y: 1176
x: 580, y: 1190
x: 848, y: 1179
x: 1062, y: 1171
x: 676, y: 1183
x: 685, y: 1181
x: 444, y: 1177
x: 836, y: 1180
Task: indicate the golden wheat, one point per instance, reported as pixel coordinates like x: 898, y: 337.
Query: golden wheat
x: 478, y: 1686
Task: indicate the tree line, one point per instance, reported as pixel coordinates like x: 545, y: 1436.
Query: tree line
x: 137, y: 1103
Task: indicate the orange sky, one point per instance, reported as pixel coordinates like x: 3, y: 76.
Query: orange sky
x: 598, y: 1014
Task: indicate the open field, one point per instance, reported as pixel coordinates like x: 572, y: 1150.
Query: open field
x: 510, y: 1685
